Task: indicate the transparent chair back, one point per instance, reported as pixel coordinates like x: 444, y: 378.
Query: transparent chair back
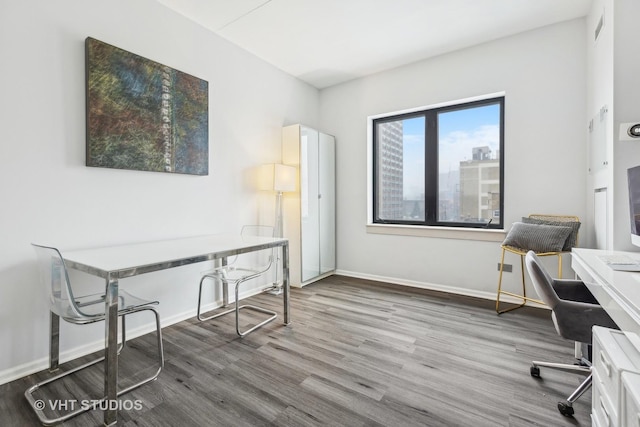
x: 260, y: 260
x: 56, y: 284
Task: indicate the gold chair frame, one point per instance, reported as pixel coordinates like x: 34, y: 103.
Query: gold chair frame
x: 522, y: 252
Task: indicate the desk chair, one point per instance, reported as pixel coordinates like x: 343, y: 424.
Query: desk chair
x: 237, y: 275
x: 83, y: 310
x: 544, y: 241
x: 574, y: 311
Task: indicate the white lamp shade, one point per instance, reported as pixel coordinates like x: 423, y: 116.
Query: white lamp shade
x: 277, y: 177
x: 284, y: 178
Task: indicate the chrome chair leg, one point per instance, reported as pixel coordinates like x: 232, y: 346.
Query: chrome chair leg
x: 198, y: 315
x: 160, y: 355
x: 54, y: 341
x: 562, y: 366
x: 254, y: 308
x: 36, y: 405
x: 584, y: 386
x: 235, y: 309
x: 225, y: 287
x: 566, y: 407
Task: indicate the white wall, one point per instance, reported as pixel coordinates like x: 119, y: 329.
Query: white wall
x: 626, y: 101
x: 612, y: 80
x: 49, y: 196
x: 543, y: 74
x: 600, y: 96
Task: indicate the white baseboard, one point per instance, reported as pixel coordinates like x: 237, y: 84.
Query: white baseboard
x: 315, y: 279
x: 435, y: 287
x: 41, y: 364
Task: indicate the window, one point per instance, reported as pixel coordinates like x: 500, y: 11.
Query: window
x: 440, y: 166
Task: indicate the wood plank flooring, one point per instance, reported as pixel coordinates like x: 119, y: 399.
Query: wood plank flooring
x: 357, y: 353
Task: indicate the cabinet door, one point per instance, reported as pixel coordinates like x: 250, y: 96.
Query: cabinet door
x: 598, y: 142
x: 327, y: 199
x: 309, y: 191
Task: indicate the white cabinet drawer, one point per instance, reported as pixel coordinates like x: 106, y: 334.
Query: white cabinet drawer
x: 630, y: 397
x: 613, y: 354
x: 603, y: 412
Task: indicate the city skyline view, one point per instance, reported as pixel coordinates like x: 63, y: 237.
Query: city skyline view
x: 459, y: 131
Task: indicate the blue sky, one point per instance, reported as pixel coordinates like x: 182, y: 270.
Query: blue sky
x: 468, y: 119
x: 459, y: 132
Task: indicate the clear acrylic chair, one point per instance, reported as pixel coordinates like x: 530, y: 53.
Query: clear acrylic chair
x: 82, y: 310
x: 234, y: 274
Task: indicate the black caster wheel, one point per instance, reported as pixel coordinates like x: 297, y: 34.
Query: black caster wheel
x: 565, y: 409
x: 534, y: 371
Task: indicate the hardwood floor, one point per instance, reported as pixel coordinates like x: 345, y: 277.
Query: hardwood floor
x: 357, y: 353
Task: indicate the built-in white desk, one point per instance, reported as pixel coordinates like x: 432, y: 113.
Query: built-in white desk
x: 118, y: 262
x: 617, y: 291
x: 616, y: 354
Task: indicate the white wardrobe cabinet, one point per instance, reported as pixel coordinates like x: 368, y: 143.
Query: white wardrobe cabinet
x: 309, y: 213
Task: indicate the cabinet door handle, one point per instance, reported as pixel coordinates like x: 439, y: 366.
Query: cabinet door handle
x: 605, y: 413
x: 605, y: 364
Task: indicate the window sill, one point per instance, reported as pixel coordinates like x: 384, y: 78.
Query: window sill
x: 479, y: 234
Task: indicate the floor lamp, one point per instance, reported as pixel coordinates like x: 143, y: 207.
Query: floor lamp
x: 281, y: 179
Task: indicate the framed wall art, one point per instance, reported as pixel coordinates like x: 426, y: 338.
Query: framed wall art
x: 142, y: 115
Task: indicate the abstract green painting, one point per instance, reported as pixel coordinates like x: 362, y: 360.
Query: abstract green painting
x: 143, y: 115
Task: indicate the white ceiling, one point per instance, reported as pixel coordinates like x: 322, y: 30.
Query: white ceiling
x: 326, y: 42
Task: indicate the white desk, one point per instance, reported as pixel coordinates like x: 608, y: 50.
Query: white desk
x: 614, y: 352
x: 618, y: 292
x: 118, y: 262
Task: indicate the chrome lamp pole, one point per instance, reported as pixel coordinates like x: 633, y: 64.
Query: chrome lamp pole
x: 283, y: 180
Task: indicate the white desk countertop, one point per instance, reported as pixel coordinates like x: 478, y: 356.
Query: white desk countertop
x: 132, y: 259
x: 617, y: 291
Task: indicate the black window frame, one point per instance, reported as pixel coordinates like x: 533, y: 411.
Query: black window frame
x: 431, y: 164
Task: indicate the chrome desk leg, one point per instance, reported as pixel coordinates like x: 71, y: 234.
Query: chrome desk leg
x: 54, y: 341
x: 111, y: 351
x: 285, y: 282
x: 225, y: 286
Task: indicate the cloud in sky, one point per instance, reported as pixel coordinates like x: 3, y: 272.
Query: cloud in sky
x: 453, y: 147
x: 457, y: 146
